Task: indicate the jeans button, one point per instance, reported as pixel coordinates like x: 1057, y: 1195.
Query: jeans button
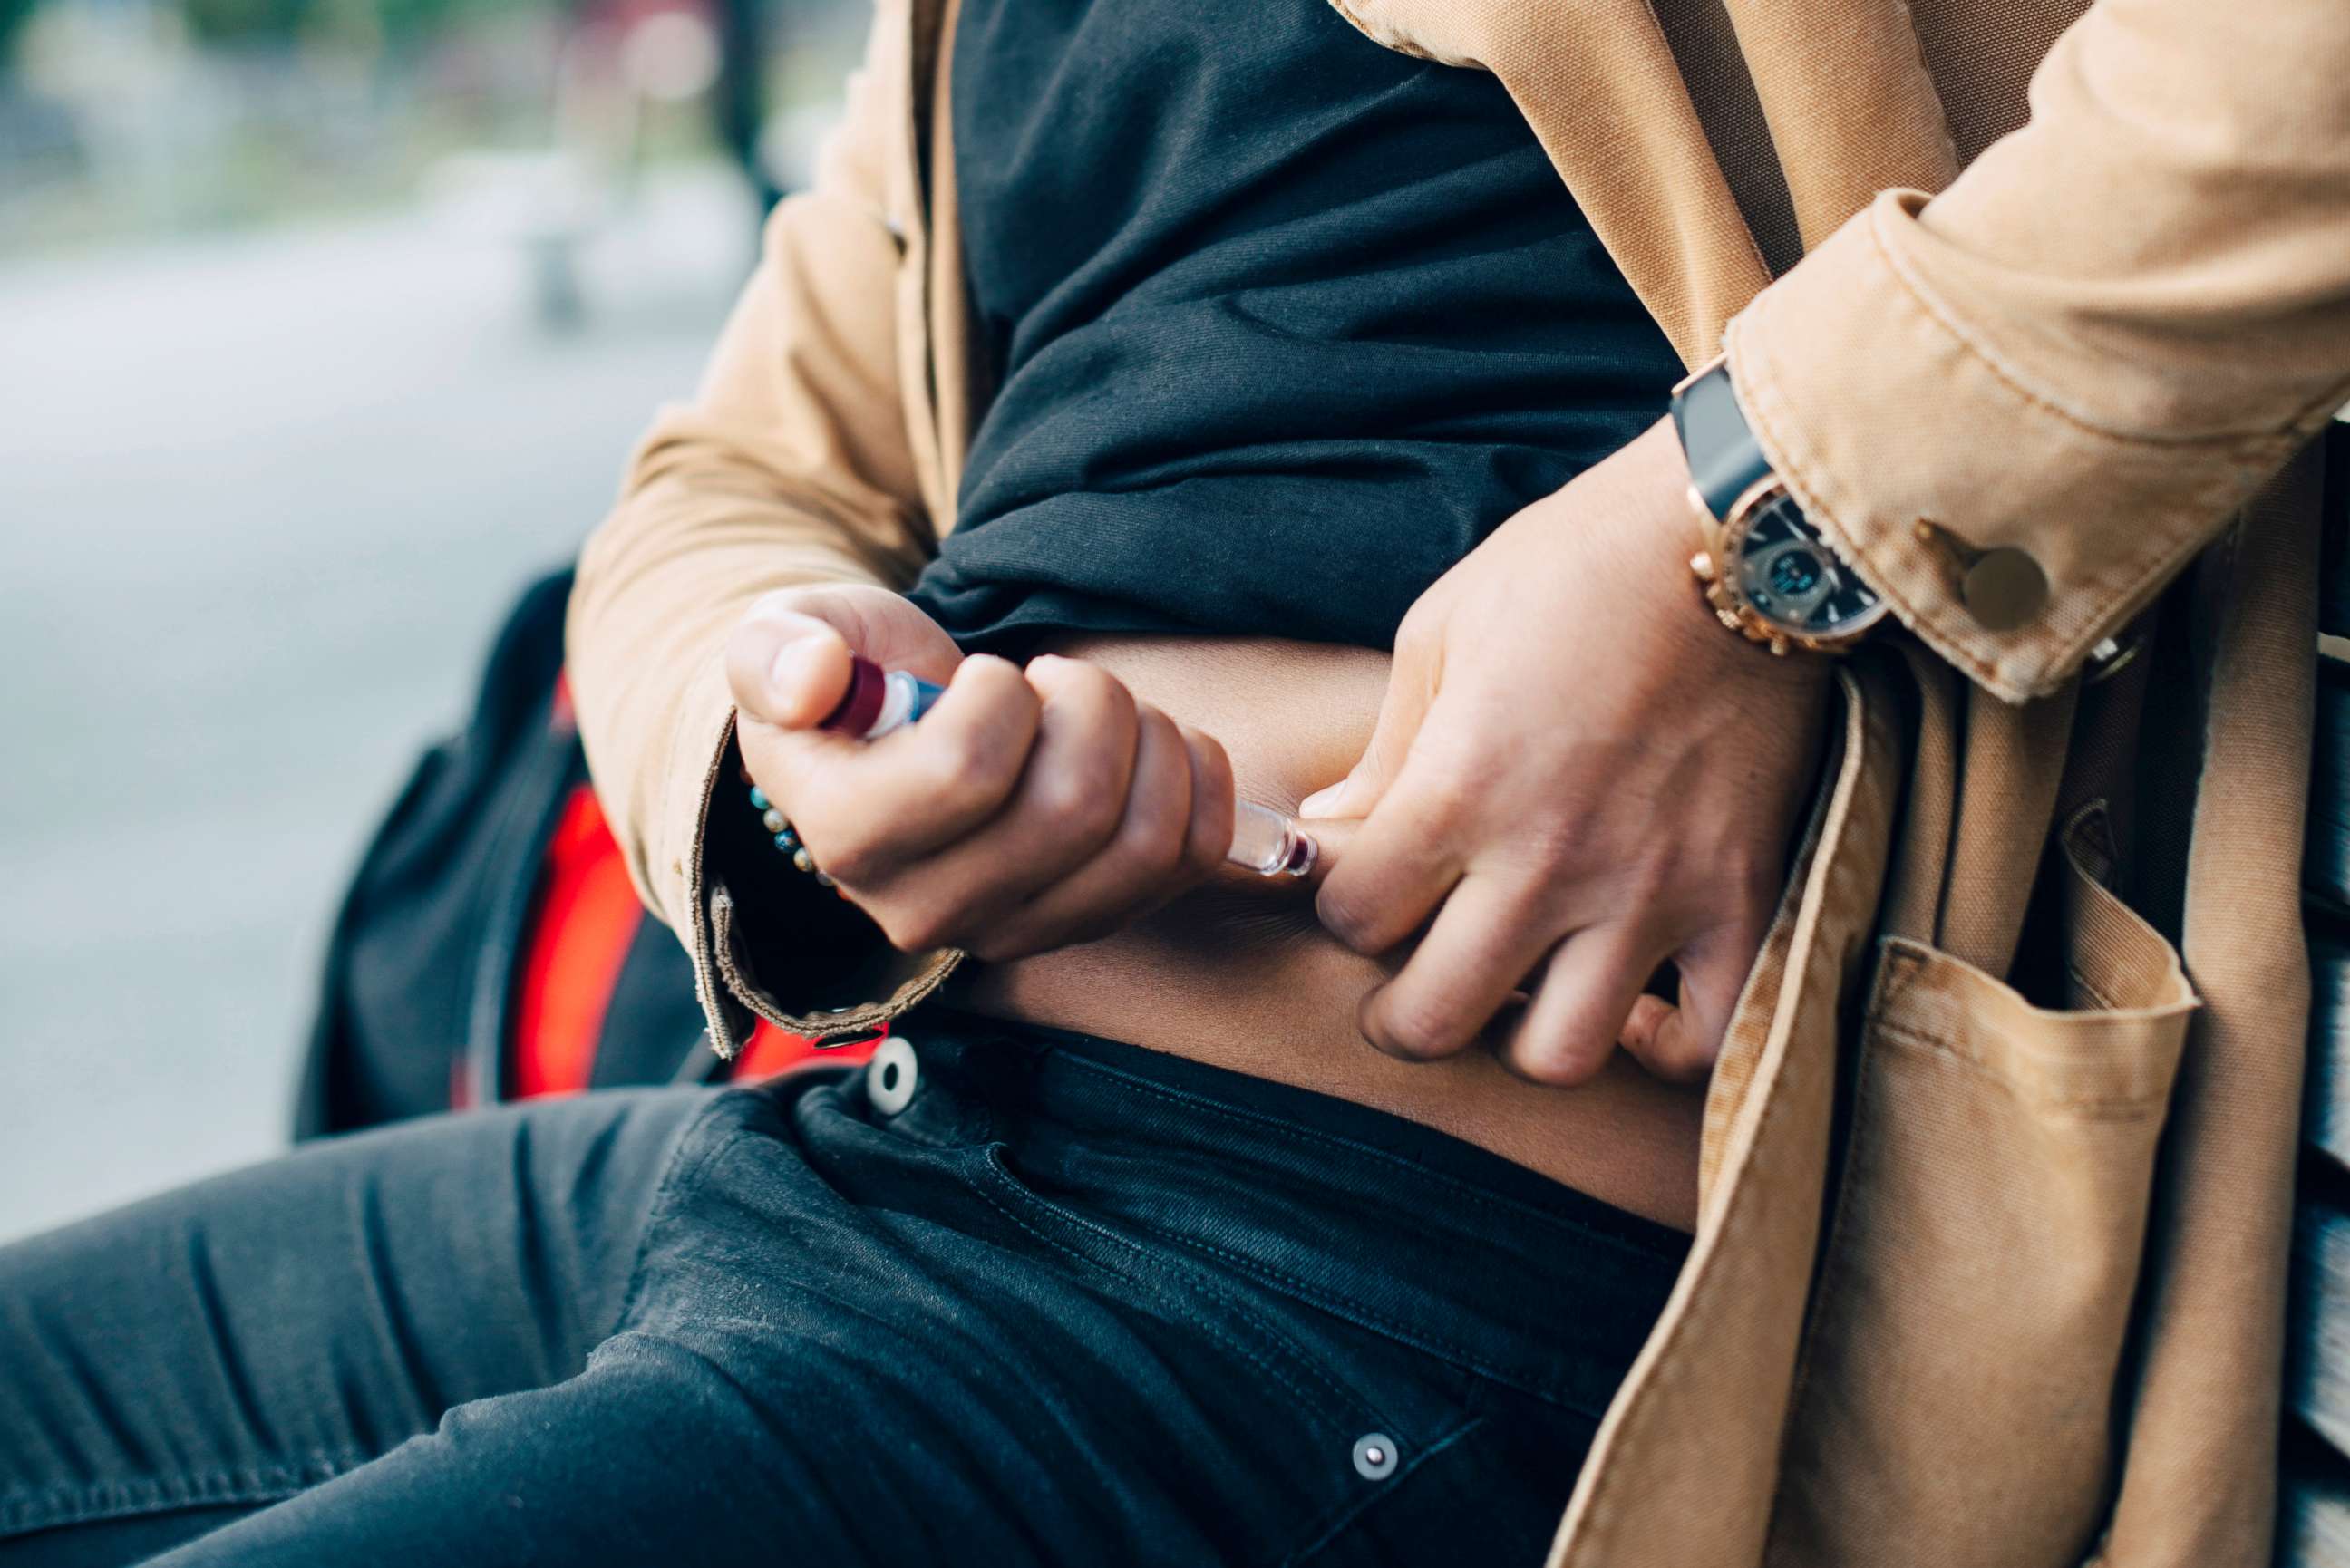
x: 1375, y: 1456
x: 890, y: 1076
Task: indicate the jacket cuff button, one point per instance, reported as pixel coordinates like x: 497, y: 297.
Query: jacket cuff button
x: 2003, y: 589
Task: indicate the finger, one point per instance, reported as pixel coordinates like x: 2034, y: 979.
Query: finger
x: 1334, y: 838
x: 1580, y: 1007
x: 1681, y: 1045
x: 1214, y: 798
x: 1484, y: 942
x: 786, y: 669
x: 1142, y: 864
x: 884, y: 626
x: 1064, y: 808
x: 1411, y: 687
x: 1403, y: 860
x: 868, y: 808
x: 1648, y: 1014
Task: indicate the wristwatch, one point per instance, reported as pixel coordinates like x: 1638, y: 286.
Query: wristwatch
x: 1765, y: 569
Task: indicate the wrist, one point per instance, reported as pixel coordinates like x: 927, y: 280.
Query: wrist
x: 1731, y: 659
x: 1765, y: 570
x: 1677, y: 533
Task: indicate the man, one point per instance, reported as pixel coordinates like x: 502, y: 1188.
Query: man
x: 2012, y: 413
x: 1024, y: 1291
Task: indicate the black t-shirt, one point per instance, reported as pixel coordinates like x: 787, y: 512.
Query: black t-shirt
x: 1282, y: 323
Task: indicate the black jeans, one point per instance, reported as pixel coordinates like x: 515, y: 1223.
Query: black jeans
x: 1070, y: 1301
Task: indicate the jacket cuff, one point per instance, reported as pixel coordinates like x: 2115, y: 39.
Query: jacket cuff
x: 2011, y: 532
x: 766, y: 940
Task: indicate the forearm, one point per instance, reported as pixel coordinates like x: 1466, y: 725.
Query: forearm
x: 791, y: 465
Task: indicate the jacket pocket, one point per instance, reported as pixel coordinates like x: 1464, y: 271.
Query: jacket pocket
x: 1957, y: 1383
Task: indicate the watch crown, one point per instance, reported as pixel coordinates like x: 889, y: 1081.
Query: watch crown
x: 1703, y: 565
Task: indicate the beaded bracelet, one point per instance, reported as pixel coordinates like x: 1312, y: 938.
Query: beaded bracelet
x: 877, y: 700
x: 785, y: 840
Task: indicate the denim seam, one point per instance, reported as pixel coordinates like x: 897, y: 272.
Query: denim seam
x: 65, y: 1504
x: 1386, y: 1325
x: 1188, y: 1315
x: 1504, y: 1206
x: 1380, y: 1492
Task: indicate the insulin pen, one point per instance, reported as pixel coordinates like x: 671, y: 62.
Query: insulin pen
x: 880, y: 701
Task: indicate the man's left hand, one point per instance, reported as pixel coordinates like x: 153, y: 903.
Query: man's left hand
x: 1580, y: 775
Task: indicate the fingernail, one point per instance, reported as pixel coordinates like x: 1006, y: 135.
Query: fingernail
x: 1323, y: 802
x: 790, y: 671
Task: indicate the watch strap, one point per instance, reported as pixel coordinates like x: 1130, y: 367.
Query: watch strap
x: 1724, y: 458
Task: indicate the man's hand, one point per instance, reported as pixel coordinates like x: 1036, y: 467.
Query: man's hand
x: 1029, y: 809
x: 1589, y: 775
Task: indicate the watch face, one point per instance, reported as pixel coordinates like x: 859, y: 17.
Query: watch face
x: 1790, y: 578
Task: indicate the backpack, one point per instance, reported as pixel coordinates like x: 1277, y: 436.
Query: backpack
x: 419, y: 988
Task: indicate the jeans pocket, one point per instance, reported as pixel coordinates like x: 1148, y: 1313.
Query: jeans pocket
x: 1230, y: 1312
x: 1985, y: 1247
x: 1323, y: 1424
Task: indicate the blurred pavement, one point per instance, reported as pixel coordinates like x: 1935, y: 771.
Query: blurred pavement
x: 263, y: 502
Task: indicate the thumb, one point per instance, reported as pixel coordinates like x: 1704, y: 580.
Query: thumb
x: 788, y: 669
x: 1411, y: 687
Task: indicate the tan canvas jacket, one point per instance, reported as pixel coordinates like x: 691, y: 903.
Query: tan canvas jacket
x: 1994, y: 1220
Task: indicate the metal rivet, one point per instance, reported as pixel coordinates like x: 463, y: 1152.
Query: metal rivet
x: 2113, y: 656
x: 892, y: 1074
x: 1375, y: 1456
x: 2003, y: 588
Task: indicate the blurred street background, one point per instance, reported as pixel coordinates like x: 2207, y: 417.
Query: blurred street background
x: 325, y: 325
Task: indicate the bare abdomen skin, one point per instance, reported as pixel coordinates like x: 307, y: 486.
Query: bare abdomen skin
x: 1239, y: 973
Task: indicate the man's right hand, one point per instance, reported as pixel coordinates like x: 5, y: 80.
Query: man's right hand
x: 1030, y: 809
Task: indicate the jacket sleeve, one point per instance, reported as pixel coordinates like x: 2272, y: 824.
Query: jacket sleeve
x: 791, y: 465
x: 2085, y: 354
